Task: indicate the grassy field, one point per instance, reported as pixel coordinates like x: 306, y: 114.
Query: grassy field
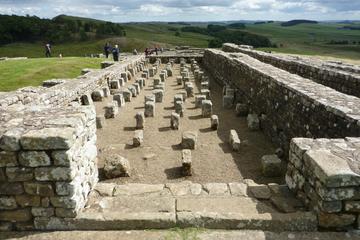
x: 32, y: 72
x: 310, y: 39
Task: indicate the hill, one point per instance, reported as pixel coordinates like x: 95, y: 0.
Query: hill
x: 296, y: 22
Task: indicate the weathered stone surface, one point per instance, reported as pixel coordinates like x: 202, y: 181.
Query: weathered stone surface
x: 127, y: 95
x: 137, y: 189
x: 54, y: 174
x: 105, y: 189
x: 97, y: 95
x: 175, y: 121
x: 116, y: 166
x: 238, y: 189
x: 20, y: 215
x: 138, y: 138
x: 242, y: 110
x: 17, y: 174
x: 119, y: 98
x: 111, y: 110
x: 253, y: 122
x: 10, y: 140
x: 140, y: 120
x: 65, y: 213
x: 7, y: 203
x: 184, y: 188
x: 48, y: 139
x: 271, y: 165
x: 329, y: 220
x: 214, y: 122
x: 186, y: 162
x: 7, y: 188
x: 259, y: 191
x: 28, y: 200
x: 207, y: 108
x: 42, y: 212
x: 149, y: 109
x: 34, y: 159
x: 159, y: 95
x: 216, y: 189
x: 8, y: 159
x: 180, y: 108
x: 234, y: 140
x: 189, y: 140
x: 39, y: 189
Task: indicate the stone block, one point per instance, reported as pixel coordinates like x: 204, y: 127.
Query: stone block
x: 234, y: 140
x: 7, y: 203
x: 115, y: 84
x: 111, y: 110
x: 149, y: 109
x: 179, y: 80
x: 178, y: 97
x: 97, y: 95
x: 100, y: 122
x: 19, y: 174
x: 205, y: 86
x: 271, y: 166
x: 39, y: 189
x: 133, y: 91
x: 189, y: 90
x: 206, y: 92
x: 242, y: 110
x: 8, y: 159
x: 335, y: 220
x: 34, y: 159
x: 189, y: 140
x: 116, y: 166
x: 150, y: 98
x: 207, y: 108
x: 42, y: 212
x: 214, y: 122
x: 228, y: 102
x: 145, y: 75
x: 186, y: 162
x: 198, y: 100
x: 54, y: 174
x: 253, y: 122
x: 179, y: 108
x: 184, y: 95
x: 162, y: 77
x: 48, y: 139
x: 140, y: 120
x: 28, y: 200
x: 122, y: 82
x: 10, y: 140
x: 157, y: 81
x: 8, y: 188
x: 86, y: 100
x: 119, y: 98
x: 138, y: 138
x: 137, y: 88
x: 175, y: 121
x: 19, y: 215
x: 127, y: 95
x: 159, y: 95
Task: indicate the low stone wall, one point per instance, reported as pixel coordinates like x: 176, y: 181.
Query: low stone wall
x: 324, y: 173
x: 47, y: 165
x: 48, y: 153
x: 341, y: 77
x: 288, y: 105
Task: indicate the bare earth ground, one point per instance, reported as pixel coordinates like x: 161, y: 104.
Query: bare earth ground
x: 213, y: 160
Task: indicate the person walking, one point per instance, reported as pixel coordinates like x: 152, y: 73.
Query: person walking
x: 107, y: 49
x: 116, y: 53
x: 48, y: 50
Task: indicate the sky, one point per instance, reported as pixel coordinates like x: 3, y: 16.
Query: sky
x: 187, y: 10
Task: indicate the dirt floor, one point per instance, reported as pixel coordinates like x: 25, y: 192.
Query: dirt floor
x: 159, y: 160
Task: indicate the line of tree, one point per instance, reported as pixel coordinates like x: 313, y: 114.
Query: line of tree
x: 223, y: 34
x: 60, y: 29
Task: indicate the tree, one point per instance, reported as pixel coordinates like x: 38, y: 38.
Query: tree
x: 83, y: 35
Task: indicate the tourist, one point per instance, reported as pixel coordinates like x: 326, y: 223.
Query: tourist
x: 107, y: 49
x: 48, y: 50
x: 116, y: 53
x: 156, y: 50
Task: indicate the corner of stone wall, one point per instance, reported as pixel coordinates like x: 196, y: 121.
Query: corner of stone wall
x: 324, y: 175
x: 47, y: 166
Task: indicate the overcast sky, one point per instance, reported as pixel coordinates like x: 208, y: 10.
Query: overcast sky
x: 187, y: 10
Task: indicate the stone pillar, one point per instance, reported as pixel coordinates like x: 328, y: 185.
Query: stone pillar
x: 149, y: 109
x: 119, y: 98
x: 186, y: 162
x: 97, y: 95
x: 138, y: 138
x: 127, y: 95
x: 159, y: 95
x: 175, y: 121
x: 234, y: 140
x: 111, y: 110
x: 179, y: 108
x: 206, y: 108
x: 214, y: 121
x: 140, y: 120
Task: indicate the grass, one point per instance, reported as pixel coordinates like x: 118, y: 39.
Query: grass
x: 310, y: 39
x: 32, y: 72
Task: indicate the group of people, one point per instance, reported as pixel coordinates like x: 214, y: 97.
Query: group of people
x: 115, y: 51
x: 156, y: 50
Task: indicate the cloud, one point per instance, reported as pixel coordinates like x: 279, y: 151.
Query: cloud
x: 186, y: 10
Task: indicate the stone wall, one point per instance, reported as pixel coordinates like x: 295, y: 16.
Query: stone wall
x: 339, y: 76
x: 324, y: 173
x: 48, y: 154
x: 288, y: 105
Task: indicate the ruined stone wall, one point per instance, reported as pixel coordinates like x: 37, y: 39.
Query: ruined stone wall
x: 324, y: 173
x: 339, y: 76
x: 48, y: 154
x: 288, y: 105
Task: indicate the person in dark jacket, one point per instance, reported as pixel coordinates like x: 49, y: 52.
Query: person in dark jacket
x: 116, y: 53
x: 48, y: 50
x: 107, y: 50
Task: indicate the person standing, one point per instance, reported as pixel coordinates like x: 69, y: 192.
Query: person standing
x: 107, y: 49
x: 48, y: 50
x: 116, y: 53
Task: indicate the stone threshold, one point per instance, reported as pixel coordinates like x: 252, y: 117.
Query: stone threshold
x: 184, y: 205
